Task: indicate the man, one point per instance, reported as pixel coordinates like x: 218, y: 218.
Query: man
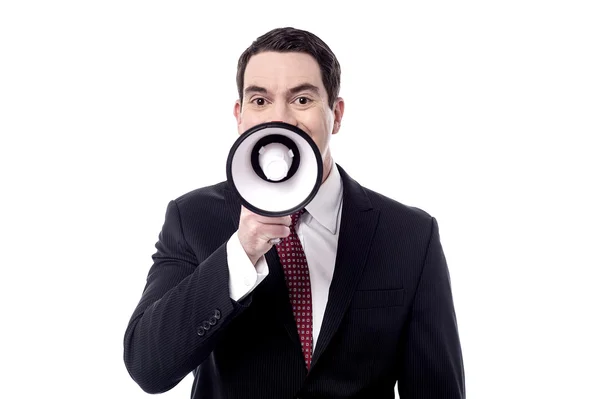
x: 361, y: 302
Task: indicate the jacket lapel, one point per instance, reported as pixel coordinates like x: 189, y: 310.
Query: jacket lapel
x: 358, y: 224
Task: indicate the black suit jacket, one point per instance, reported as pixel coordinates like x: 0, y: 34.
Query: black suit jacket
x: 390, y: 315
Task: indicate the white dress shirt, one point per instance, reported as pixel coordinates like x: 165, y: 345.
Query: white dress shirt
x: 318, y: 230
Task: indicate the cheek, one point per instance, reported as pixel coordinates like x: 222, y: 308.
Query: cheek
x: 247, y: 121
x: 318, y: 129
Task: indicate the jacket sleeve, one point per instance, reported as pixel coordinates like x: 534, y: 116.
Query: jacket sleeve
x: 183, y: 307
x: 431, y: 357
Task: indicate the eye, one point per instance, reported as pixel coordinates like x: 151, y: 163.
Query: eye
x: 259, y: 101
x: 303, y: 100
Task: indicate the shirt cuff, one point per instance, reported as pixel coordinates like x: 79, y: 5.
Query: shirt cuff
x: 243, y: 276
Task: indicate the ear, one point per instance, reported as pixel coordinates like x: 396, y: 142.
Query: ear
x: 237, y: 111
x: 338, y: 114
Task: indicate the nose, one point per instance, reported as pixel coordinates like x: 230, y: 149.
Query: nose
x: 282, y: 113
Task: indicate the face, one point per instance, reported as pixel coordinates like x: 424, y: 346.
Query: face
x: 288, y: 87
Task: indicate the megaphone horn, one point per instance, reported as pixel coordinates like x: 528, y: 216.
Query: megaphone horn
x: 275, y: 169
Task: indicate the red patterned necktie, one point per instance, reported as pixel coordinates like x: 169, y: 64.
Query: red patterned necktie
x: 295, y: 268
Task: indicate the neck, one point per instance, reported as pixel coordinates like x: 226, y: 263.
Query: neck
x: 327, y: 165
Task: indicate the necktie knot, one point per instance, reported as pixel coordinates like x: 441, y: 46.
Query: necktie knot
x: 296, y: 217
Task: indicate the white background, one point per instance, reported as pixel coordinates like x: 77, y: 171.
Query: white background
x: 485, y: 114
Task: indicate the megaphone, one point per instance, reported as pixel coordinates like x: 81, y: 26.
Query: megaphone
x: 275, y: 169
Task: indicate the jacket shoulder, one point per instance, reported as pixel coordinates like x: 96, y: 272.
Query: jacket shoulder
x: 390, y: 209
x: 202, y: 201
x: 400, y: 220
x: 389, y: 205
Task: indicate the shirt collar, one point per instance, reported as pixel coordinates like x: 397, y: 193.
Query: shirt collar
x: 327, y: 203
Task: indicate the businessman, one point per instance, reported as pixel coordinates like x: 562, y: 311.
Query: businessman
x: 343, y: 299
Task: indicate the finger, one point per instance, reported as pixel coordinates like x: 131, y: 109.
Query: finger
x: 275, y: 234
x: 282, y: 220
x: 275, y: 231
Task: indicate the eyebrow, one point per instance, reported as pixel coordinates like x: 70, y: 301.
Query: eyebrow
x: 254, y: 89
x: 304, y: 87
x: 294, y: 90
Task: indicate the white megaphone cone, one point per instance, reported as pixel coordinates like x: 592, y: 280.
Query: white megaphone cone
x: 275, y: 169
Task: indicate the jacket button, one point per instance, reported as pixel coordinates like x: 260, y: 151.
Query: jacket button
x: 201, y: 331
x: 212, y: 321
x: 217, y: 314
x: 205, y: 325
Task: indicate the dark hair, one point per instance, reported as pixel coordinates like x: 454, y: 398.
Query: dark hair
x: 285, y: 40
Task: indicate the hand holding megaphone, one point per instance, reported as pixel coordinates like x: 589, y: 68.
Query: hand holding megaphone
x: 256, y: 232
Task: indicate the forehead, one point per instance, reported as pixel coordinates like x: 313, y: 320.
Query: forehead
x: 282, y: 70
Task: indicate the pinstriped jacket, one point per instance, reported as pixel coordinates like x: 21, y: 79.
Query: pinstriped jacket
x: 389, y: 318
